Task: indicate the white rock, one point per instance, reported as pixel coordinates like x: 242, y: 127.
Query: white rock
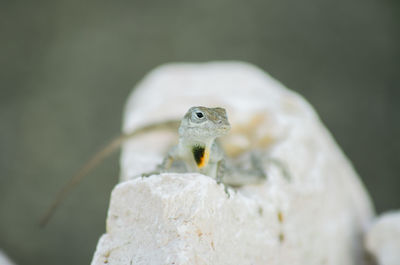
x: 383, y: 239
x: 4, y: 260
x: 317, y: 217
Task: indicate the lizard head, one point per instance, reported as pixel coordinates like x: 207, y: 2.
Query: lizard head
x: 203, y: 123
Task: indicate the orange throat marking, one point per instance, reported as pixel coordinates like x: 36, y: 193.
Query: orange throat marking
x: 204, y: 159
x: 201, y: 155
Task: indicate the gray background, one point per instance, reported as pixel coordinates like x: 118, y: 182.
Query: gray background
x: 67, y: 68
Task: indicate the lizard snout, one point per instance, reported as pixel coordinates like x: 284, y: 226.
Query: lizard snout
x: 225, y: 127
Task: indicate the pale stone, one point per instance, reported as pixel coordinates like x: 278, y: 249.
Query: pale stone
x: 383, y: 239
x: 4, y: 260
x: 316, y: 217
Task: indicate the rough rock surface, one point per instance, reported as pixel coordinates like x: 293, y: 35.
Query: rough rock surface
x: 383, y: 239
x: 316, y: 217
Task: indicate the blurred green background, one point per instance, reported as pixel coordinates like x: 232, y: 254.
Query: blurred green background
x: 67, y: 68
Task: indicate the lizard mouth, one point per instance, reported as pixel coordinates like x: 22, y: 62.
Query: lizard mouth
x: 224, y: 129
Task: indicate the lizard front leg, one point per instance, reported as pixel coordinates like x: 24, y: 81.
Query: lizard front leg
x: 164, y: 166
x: 221, y: 166
x: 220, y: 170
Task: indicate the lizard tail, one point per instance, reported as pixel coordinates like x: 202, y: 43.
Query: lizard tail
x: 96, y: 159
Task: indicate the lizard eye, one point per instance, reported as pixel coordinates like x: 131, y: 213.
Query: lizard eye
x: 199, y: 115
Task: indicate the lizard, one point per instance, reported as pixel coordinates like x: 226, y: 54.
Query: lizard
x: 197, y: 148
x: 200, y: 151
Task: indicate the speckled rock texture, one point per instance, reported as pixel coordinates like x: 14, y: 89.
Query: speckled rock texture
x: 383, y: 239
x: 318, y: 216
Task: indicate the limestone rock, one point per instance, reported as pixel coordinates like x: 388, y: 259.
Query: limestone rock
x: 316, y: 217
x: 383, y: 239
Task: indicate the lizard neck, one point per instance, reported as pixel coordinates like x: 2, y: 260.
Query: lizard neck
x: 199, y: 150
x: 201, y: 155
